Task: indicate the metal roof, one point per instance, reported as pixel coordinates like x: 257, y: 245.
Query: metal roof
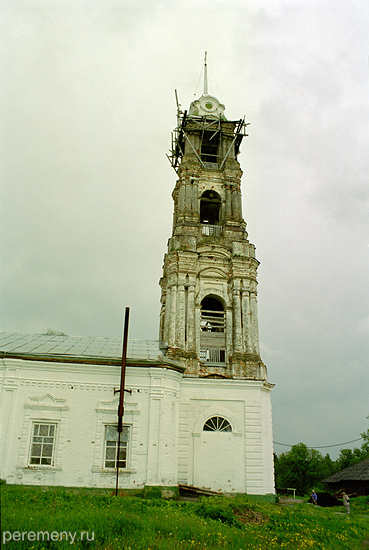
x: 83, y: 347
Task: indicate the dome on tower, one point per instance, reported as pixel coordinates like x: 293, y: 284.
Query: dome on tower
x: 207, y: 105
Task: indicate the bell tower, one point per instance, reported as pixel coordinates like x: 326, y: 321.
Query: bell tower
x: 209, y: 314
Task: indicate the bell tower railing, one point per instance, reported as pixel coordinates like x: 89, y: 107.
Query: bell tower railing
x: 215, y: 230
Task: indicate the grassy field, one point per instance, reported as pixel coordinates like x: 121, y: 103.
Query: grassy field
x: 42, y: 518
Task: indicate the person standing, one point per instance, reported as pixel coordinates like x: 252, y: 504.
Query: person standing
x: 314, y: 497
x: 346, y: 502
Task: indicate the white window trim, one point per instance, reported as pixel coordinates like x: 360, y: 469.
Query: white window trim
x: 128, y: 455
x: 107, y: 415
x: 46, y: 409
x: 54, y: 444
x: 224, y: 412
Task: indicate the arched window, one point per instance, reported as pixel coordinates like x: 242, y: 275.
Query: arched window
x: 212, y: 315
x: 217, y: 424
x: 210, y: 207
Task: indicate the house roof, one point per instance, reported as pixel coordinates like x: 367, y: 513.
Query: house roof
x: 357, y: 472
x: 82, y: 348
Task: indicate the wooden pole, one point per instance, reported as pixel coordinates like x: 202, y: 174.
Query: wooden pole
x: 121, y: 391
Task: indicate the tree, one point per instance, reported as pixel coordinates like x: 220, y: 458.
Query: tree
x: 346, y: 458
x: 329, y: 466
x: 365, y: 445
x: 349, y: 457
x: 302, y: 468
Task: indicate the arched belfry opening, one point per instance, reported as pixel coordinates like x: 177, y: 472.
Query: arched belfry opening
x: 213, y: 327
x: 212, y: 315
x: 210, y: 204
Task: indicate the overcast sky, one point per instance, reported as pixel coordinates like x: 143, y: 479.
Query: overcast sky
x: 87, y: 108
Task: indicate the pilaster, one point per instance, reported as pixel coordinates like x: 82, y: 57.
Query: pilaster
x: 172, y: 318
x: 237, y: 332
x: 191, y: 339
x: 246, y: 317
x: 180, y: 317
x: 254, y: 323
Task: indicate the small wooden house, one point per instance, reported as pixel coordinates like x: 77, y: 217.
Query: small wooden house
x: 354, y: 479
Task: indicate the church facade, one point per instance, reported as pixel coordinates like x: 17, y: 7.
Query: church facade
x: 198, y: 412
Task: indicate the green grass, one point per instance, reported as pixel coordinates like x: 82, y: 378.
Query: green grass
x: 134, y: 523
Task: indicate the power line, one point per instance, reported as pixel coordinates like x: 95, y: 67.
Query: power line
x: 321, y: 446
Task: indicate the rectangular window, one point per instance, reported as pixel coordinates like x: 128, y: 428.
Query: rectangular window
x: 111, y: 447
x: 43, y: 445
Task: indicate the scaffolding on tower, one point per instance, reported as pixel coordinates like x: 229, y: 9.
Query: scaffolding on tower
x: 211, y: 130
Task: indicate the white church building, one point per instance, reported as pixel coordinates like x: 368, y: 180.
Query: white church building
x: 198, y: 410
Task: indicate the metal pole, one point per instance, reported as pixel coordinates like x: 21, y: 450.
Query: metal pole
x: 121, y: 391
x: 205, y: 77
x: 117, y: 480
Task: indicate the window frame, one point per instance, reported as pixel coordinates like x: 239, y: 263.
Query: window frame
x: 124, y: 445
x: 43, y: 443
x: 221, y: 425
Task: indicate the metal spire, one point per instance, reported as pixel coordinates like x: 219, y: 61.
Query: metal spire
x: 205, y: 76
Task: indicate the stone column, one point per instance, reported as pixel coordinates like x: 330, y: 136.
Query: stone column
x: 236, y: 203
x: 197, y: 329
x: 180, y: 318
x: 239, y: 204
x: 195, y: 198
x: 162, y: 320
x: 181, y: 199
x: 191, y: 339
x: 229, y: 331
x: 175, y: 209
x: 188, y: 200
x: 228, y: 203
x: 246, y: 318
x: 172, y: 317
x: 237, y: 332
x: 254, y: 323
x: 195, y: 140
x: 167, y: 314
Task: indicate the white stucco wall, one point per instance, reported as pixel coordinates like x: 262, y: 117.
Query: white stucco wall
x: 80, y: 399
x: 165, y: 414
x: 241, y: 461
